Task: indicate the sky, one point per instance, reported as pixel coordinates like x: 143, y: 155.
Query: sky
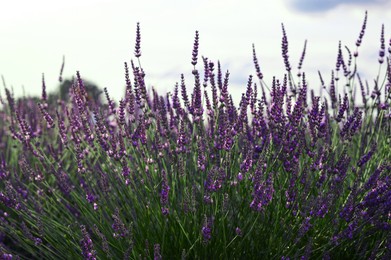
x: 97, y: 37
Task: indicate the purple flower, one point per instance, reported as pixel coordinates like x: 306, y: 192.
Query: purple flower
x: 359, y: 40
x: 382, y: 46
x: 120, y: 231
x: 44, y: 95
x: 263, y: 192
x: 366, y: 157
x: 194, y: 56
x: 240, y: 176
x: 137, y: 48
x: 214, y: 179
x: 156, y: 252
x: 256, y: 64
x: 342, y: 108
x: 207, y: 230
x: 164, y: 193
x: 284, y: 48
x: 121, y: 112
x: 238, y: 232
x: 302, y: 57
x: 87, y: 246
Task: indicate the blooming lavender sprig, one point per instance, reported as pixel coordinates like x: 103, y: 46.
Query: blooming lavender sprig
x: 302, y: 58
x: 156, y: 252
x: 342, y: 108
x: 120, y: 230
x: 44, y: 96
x: 382, y: 50
x: 362, y: 32
x: 164, y: 194
x: 207, y: 230
x: 62, y: 129
x: 121, y: 112
x: 86, y: 244
x: 49, y: 120
x: 284, y: 48
x: 263, y: 193
x: 194, y: 56
x: 137, y: 48
x: 256, y: 64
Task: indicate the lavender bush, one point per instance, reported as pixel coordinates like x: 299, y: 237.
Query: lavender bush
x: 284, y: 175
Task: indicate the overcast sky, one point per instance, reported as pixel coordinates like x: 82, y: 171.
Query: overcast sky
x: 97, y: 37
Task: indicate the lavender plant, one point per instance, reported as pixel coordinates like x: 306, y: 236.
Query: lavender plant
x: 284, y: 175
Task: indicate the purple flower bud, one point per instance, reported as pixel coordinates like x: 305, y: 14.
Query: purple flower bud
x: 256, y: 64
x: 156, y: 252
x: 359, y: 40
x: 137, y: 48
x: 207, y: 230
x: 238, y: 232
x: 195, y: 49
x: 86, y: 245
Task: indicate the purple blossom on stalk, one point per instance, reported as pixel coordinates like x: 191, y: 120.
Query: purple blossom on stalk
x: 342, y: 108
x: 185, y: 97
x: 263, y: 193
x: 206, y: 71
x: 363, y: 95
x: 44, y: 95
x: 213, y: 85
x: 109, y: 101
x: 249, y: 90
x: 284, y: 48
x: 27, y: 233
x: 175, y: 98
x: 246, y: 164
x: 137, y: 48
x: 304, y: 228
x: 382, y: 46
x: 121, y: 112
x: 362, y: 32
x: 156, y: 252
x: 62, y: 129
x: 332, y: 91
x: 347, y: 211
x: 373, y: 179
x: 196, y: 104
x: 10, y: 100
x: 49, y: 120
x: 164, y: 194
x: 120, y: 231
x: 238, y: 232
x: 194, y: 55
x: 87, y: 246
x: 351, y: 125
x: 61, y: 69
x: 182, y: 140
x: 214, y: 179
x: 340, y: 62
x: 302, y: 58
x: 129, y: 89
x: 219, y: 76
x: 256, y: 64
x: 201, y: 160
x: 207, y: 230
x: 224, y: 95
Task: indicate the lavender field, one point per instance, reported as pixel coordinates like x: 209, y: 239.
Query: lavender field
x: 284, y: 174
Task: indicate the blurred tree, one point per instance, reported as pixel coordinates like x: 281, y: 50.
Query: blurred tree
x: 93, y: 90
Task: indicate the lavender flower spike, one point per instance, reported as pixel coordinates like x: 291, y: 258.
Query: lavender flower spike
x: 137, y: 48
